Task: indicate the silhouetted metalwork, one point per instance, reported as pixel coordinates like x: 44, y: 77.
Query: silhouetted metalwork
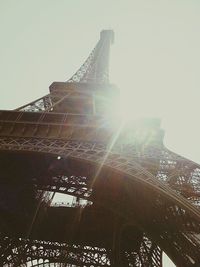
x: 134, y: 198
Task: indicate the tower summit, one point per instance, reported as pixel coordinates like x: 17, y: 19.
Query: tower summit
x: 133, y: 198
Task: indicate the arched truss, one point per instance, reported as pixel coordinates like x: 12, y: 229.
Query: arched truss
x: 27, y: 252
x: 159, y: 168
x: 170, y: 219
x: 44, y: 253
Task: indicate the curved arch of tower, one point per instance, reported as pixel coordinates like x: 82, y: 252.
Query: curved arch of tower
x: 133, y: 199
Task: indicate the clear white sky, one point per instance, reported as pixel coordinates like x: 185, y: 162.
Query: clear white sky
x: 155, y: 58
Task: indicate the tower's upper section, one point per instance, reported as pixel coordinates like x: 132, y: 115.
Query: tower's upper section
x: 96, y: 67
x: 81, y: 108
x: 87, y: 90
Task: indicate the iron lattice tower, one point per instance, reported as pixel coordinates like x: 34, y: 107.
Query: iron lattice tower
x: 134, y: 197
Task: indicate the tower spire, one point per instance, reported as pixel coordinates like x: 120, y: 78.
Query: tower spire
x: 96, y: 67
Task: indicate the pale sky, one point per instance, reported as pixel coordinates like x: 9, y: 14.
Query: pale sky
x: 155, y: 60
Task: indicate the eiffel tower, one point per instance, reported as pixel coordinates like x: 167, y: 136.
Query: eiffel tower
x: 133, y: 199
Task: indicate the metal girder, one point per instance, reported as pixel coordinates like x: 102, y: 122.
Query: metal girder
x: 131, y: 163
x: 173, y: 209
x: 26, y: 252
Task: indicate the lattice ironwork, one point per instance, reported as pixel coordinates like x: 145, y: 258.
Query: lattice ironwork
x: 175, y: 171
x: 94, y: 70
x: 71, y: 185
x: 39, y: 105
x: 141, y: 198
x: 26, y: 252
x: 182, y: 212
x: 35, y: 253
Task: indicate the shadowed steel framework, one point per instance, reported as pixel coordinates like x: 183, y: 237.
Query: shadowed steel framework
x: 134, y: 198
